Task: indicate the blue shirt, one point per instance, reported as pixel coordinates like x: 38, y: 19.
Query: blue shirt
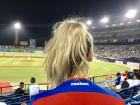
x: 77, y: 92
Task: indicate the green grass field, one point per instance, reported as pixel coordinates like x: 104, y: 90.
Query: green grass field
x: 16, y: 69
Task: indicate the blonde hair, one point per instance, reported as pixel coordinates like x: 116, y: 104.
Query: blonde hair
x: 67, y: 50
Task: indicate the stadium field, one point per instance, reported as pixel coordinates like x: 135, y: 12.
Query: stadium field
x: 16, y: 67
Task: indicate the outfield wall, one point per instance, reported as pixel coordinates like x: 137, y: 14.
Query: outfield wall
x: 133, y: 62
x: 9, y: 48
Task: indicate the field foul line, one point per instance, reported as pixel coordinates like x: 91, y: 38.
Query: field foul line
x: 20, y: 57
x: 20, y: 66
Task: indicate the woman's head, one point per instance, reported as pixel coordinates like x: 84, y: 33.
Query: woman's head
x: 70, y: 48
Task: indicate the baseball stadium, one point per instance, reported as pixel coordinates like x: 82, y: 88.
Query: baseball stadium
x: 115, y: 64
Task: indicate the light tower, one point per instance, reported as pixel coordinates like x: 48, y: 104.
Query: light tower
x: 104, y: 20
x: 131, y: 14
x: 89, y: 22
x: 17, y: 27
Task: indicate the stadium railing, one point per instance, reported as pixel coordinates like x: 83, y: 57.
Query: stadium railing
x: 97, y: 79
x: 103, y: 77
x: 10, y: 89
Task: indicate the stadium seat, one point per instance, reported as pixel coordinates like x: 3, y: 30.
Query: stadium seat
x: 15, y: 95
x: 2, y: 98
x: 19, y: 99
x: 136, y: 89
x: 129, y: 92
x: 122, y: 94
x: 137, y: 97
x: 131, y: 101
x: 127, y: 101
x: 14, y: 104
x: 134, y: 103
x: 7, y: 101
x: 15, y: 99
x: 26, y: 98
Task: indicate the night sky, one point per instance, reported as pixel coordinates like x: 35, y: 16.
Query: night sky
x: 37, y: 16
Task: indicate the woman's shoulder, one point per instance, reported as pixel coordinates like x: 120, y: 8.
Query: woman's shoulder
x: 83, y: 86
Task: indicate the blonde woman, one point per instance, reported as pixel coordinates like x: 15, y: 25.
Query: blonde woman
x: 67, y: 56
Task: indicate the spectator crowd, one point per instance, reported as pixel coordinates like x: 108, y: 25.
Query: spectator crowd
x: 127, y: 80
x: 117, y: 51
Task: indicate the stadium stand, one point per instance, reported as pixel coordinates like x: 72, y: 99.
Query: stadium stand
x: 131, y: 95
x: 120, y: 42
x: 14, y: 99
x: 118, y: 51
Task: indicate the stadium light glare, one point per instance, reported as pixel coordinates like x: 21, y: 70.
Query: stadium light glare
x: 113, y: 25
x: 129, y: 22
x: 138, y: 21
x: 93, y: 27
x: 131, y: 13
x: 106, y: 26
x: 121, y: 24
x: 104, y: 20
x: 89, y: 22
x: 17, y: 25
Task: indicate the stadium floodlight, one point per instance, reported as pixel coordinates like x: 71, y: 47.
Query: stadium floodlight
x: 93, y: 27
x: 138, y: 21
x: 106, y: 26
x: 17, y: 25
x: 89, y: 22
x: 131, y: 13
x: 121, y: 24
x: 113, y: 25
x: 104, y: 20
x: 129, y: 22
